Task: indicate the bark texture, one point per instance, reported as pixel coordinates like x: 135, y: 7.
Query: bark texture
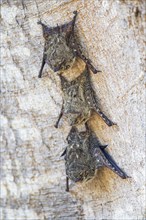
x: 32, y: 171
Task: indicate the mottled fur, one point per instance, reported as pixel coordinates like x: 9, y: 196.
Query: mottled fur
x: 79, y: 100
x: 61, y: 48
x: 84, y: 154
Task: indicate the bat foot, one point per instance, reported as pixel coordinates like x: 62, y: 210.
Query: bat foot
x: 75, y: 12
x: 56, y: 125
x: 92, y: 68
x: 126, y: 176
x: 40, y: 74
x: 96, y: 71
x: 111, y: 124
x: 39, y: 22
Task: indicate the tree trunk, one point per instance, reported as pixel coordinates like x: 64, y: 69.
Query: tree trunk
x: 33, y: 173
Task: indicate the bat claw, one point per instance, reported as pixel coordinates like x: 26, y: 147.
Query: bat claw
x: 39, y: 22
x: 97, y: 71
x: 112, y: 124
x: 56, y: 126
x: 75, y: 12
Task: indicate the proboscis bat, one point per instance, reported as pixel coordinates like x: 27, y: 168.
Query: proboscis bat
x: 79, y: 100
x: 61, y: 47
x: 84, y: 155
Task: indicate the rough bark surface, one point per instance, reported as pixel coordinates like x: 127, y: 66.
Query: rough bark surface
x: 32, y: 171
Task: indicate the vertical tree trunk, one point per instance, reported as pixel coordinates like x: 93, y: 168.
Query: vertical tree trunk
x: 33, y: 173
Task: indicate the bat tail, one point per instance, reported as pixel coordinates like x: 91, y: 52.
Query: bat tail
x: 112, y: 165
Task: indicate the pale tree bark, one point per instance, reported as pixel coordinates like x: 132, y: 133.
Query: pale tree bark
x: 32, y: 171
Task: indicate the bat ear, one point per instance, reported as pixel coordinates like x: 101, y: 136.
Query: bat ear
x: 73, y: 129
x: 69, y: 27
x: 46, y: 29
x: 72, y: 134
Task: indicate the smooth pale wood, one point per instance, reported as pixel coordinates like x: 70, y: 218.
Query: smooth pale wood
x: 33, y: 173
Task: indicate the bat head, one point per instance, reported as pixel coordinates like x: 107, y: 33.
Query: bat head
x: 84, y: 154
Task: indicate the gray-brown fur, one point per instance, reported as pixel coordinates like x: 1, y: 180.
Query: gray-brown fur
x: 79, y: 100
x: 61, y: 48
x: 84, y: 154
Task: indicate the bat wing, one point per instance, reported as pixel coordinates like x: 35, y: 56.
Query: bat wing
x: 103, y: 157
x: 64, y: 153
x: 111, y: 164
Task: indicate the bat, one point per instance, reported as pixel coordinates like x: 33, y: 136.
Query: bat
x: 84, y: 155
x: 61, y: 47
x: 79, y: 100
